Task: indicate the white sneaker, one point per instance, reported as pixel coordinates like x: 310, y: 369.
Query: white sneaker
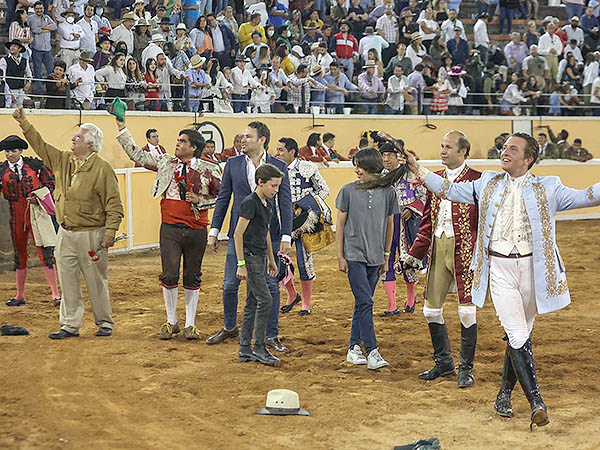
x: 355, y: 355
x: 375, y: 360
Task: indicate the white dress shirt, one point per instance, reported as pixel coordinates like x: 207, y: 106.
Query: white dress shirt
x: 155, y: 150
x: 242, y: 80
x: 547, y: 43
x: 66, y: 31
x: 511, y: 232
x: 217, y: 38
x: 481, y: 34
x: 85, y: 90
x: 88, y: 40
x: 444, y: 221
x: 151, y: 51
x: 17, y: 168
x: 121, y: 33
x: 448, y: 29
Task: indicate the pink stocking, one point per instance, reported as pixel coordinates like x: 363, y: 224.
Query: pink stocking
x: 291, y: 290
x: 410, y: 294
x: 21, y: 277
x: 52, y: 281
x: 307, y: 287
x: 390, y: 290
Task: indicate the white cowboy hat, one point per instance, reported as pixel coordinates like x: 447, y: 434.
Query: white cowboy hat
x: 158, y: 38
x: 298, y: 49
x: 282, y: 402
x: 197, y: 61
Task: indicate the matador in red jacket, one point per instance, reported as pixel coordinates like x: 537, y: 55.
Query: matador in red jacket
x: 447, y: 234
x: 19, y: 178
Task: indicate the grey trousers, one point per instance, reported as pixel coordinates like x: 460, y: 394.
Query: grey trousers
x: 258, y: 301
x: 72, y: 259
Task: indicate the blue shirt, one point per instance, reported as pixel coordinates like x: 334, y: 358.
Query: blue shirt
x: 195, y: 13
x: 278, y: 21
x: 342, y: 82
x: 197, y: 77
x: 554, y: 103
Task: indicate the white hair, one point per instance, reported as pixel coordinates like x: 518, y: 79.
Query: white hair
x: 93, y: 136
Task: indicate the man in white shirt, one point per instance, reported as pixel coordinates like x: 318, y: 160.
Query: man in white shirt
x: 164, y: 72
x: 319, y: 56
x: 15, y: 66
x: 70, y: 35
x: 90, y: 30
x: 481, y: 37
x: 296, y: 55
x: 590, y: 73
x: 387, y: 27
x: 449, y: 24
x: 550, y: 46
x: 572, y: 48
x: 397, y: 89
x: 595, y: 96
x: 124, y: 32
x: 242, y: 81
x: 371, y: 41
x: 154, y: 48
x: 574, y: 31
x: 82, y: 78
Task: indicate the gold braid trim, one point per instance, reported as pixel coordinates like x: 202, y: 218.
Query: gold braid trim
x: 590, y: 193
x: 444, y: 189
x: 483, y: 209
x: 553, y: 287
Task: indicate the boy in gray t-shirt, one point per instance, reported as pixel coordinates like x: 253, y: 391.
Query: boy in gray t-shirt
x: 364, y: 233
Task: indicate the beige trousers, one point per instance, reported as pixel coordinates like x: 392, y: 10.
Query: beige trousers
x: 73, y: 259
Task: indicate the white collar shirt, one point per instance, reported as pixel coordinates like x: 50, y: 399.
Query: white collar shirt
x: 85, y: 90
x: 511, y: 232
x: 251, y: 169
x: 17, y: 168
x: 444, y: 221
x: 88, y: 40
x: 217, y: 37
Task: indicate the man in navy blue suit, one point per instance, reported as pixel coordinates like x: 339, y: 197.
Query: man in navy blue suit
x: 238, y: 179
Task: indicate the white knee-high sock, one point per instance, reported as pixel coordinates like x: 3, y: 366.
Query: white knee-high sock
x: 191, y: 304
x: 170, y: 296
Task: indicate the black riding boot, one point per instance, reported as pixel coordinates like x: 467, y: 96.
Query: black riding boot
x: 444, y: 365
x: 522, y: 361
x: 503, y: 405
x: 468, y: 342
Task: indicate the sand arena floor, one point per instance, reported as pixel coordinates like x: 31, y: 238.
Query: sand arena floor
x: 134, y: 391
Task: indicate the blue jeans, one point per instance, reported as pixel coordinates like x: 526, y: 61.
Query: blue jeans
x: 41, y: 59
x: 240, y: 102
x: 573, y: 9
x: 118, y: 5
x: 371, y: 106
x: 175, y: 19
x: 363, y: 280
x: 505, y: 14
x: 231, y: 284
x: 189, y: 19
x: 348, y: 65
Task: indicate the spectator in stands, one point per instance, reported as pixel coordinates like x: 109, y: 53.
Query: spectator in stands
x: 104, y: 54
x: 139, y: 12
x: 183, y: 41
x: 81, y: 77
x: 440, y: 9
x: 532, y: 36
x: 191, y: 12
x: 458, y: 91
x: 372, y: 56
x: 576, y: 152
x: 242, y: 81
x: 246, y: 29
x: 547, y: 149
x: 362, y: 144
x: 124, y: 32
x: 56, y: 87
x: 407, y: 26
x: 199, y: 82
x: 161, y: 12
x: 399, y: 60
x: 533, y: 93
x: 458, y: 48
x: 263, y: 97
x: 339, y: 85
x: 224, y: 42
x: 536, y: 65
x: 41, y: 27
x: 117, y: 6
x: 19, y: 29
x: 344, y: 47
x: 135, y: 85
x: 313, y: 150
x: 153, y: 49
x: 371, y: 87
x: 449, y: 26
x: 201, y: 39
x: 104, y: 26
x: 481, y: 37
x: 398, y: 90
x: 16, y: 69
x: 328, y: 146
x: 574, y: 8
x: 312, y: 35
x: 572, y: 49
x: 496, y: 150
x: 317, y: 97
x: 590, y: 73
x: 226, y: 18
x: 166, y: 30
x: 70, y: 35
x: 508, y: 10
x: 141, y: 39
x: 416, y: 50
x: 300, y: 86
x: 595, y: 96
x: 284, y: 37
x: 387, y: 27
x: 235, y: 149
x: 429, y: 28
x: 572, y: 74
x: 121, y: 47
x: 357, y: 18
x: 591, y: 27
x: 515, y: 51
x: 295, y: 27
x: 513, y: 97
x: 574, y: 31
x: 417, y: 83
x: 90, y: 30
x: 113, y: 78
x: 164, y: 72
x: 296, y: 56
x: 152, y: 86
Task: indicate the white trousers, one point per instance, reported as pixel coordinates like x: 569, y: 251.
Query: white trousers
x: 513, y: 294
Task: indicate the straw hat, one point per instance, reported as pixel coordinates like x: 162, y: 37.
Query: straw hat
x: 282, y: 402
x: 128, y: 16
x: 316, y: 69
x: 142, y: 23
x: 69, y: 10
x: 370, y: 63
x: 181, y: 26
x: 415, y: 36
x: 298, y: 49
x: 157, y: 37
x: 85, y: 56
x: 197, y: 61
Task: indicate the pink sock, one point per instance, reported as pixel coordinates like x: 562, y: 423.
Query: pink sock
x: 306, y: 293
x: 291, y: 290
x: 21, y: 277
x: 390, y: 290
x: 52, y: 281
x: 410, y: 294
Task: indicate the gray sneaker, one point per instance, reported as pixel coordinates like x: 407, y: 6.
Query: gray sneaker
x: 375, y: 360
x: 355, y: 356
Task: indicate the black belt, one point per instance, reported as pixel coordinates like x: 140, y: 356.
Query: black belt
x: 512, y: 255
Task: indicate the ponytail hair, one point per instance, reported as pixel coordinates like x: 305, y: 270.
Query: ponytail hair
x: 370, y: 160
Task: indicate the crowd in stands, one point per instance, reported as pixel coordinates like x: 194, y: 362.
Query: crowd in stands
x: 325, y: 56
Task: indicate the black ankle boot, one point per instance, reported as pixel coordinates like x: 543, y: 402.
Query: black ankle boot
x: 502, y: 405
x: 245, y: 354
x: 444, y: 365
x: 523, y: 364
x: 468, y: 342
x: 263, y: 356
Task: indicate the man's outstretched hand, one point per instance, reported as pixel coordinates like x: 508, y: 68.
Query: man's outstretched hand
x: 19, y: 115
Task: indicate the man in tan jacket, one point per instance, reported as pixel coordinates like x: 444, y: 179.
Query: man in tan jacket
x: 89, y: 211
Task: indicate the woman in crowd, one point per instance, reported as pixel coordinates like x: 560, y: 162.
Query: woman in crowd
x: 152, y: 85
x: 104, y: 54
x: 533, y: 93
x: 141, y: 38
x: 513, y: 97
x: 458, y: 92
x: 271, y: 37
x: 183, y: 41
x: 286, y: 65
x: 357, y: 18
x: 314, y: 18
x: 221, y: 87
x: 373, y: 56
x: 572, y: 73
x: 263, y: 57
x: 446, y: 66
x: 201, y: 40
x: 264, y: 96
x: 19, y: 29
x: 416, y: 50
x: 284, y: 38
x: 121, y: 47
x: 437, y: 51
x: 440, y: 10
x: 56, y: 87
x: 295, y: 27
x: 113, y: 78
x: 439, y: 105
x: 135, y: 85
